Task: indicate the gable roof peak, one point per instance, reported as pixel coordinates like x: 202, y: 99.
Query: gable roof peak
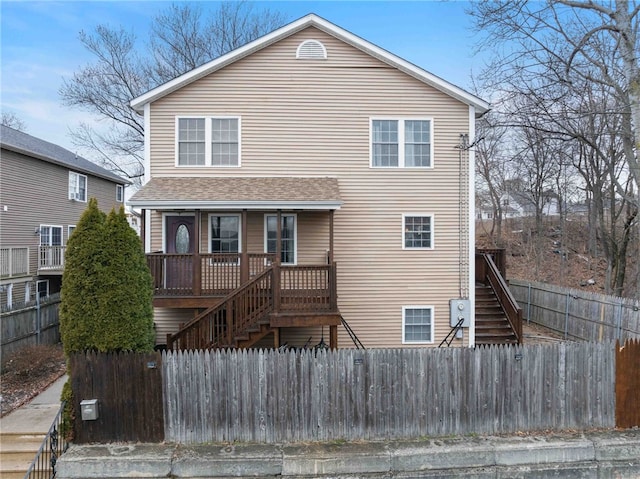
x: 308, y: 20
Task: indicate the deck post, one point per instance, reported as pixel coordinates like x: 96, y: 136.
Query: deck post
x: 330, y: 259
x: 244, y: 257
x: 142, y: 228
x: 276, y: 338
x: 197, y: 264
x: 276, y: 291
x: 333, y: 337
x: 279, y: 237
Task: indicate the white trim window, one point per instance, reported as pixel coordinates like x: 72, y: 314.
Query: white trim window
x: 224, y: 234
x: 77, y: 187
x: 417, y: 324
x: 401, y: 143
x: 70, y: 229
x: 119, y: 193
x: 208, y: 141
x: 417, y: 231
x: 289, y: 239
x: 50, y: 235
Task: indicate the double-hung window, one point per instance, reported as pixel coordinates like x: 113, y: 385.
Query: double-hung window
x: 401, y: 143
x: 225, y: 233
x: 417, y: 231
x: 77, y: 186
x: 119, y: 193
x: 417, y: 324
x: 208, y: 141
x: 288, y: 237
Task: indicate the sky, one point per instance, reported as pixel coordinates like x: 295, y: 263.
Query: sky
x: 39, y: 46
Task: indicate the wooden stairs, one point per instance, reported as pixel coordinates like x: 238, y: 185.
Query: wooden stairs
x: 492, y: 325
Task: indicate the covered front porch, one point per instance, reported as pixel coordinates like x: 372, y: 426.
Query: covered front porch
x: 246, y: 267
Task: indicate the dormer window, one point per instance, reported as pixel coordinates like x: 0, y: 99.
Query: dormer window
x: 311, y: 50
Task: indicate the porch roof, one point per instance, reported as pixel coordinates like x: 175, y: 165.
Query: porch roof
x: 239, y: 193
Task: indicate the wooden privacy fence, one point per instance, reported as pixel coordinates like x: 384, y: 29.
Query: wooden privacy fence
x: 628, y: 384
x: 268, y: 396
x: 578, y: 314
x: 29, y: 324
x: 128, y: 387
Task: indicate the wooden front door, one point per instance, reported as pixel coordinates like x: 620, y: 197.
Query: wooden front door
x: 179, y: 241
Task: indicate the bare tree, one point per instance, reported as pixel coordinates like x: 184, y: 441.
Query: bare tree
x: 181, y: 39
x: 560, y: 42
x: 11, y: 120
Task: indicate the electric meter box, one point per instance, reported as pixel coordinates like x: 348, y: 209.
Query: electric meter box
x: 460, y: 309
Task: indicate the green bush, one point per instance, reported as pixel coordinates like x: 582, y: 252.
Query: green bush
x: 106, y: 297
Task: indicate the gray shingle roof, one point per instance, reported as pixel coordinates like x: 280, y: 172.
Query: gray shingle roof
x: 25, y: 144
x: 238, y: 192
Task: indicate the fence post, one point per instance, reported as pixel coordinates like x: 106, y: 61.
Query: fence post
x: 38, y: 319
x: 619, y: 321
x: 566, y: 316
x: 528, y: 303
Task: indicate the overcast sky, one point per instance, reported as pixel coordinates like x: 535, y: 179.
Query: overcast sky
x: 40, y: 46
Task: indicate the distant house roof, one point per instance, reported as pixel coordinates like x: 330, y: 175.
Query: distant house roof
x: 320, y: 23
x: 25, y: 144
x: 317, y: 193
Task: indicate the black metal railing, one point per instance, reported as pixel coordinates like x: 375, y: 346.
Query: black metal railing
x: 52, y: 447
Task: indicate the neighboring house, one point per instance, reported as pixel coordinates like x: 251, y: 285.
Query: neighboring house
x: 327, y: 177
x: 44, y: 190
x: 518, y: 205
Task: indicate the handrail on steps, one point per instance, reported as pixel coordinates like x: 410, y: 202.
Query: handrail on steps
x: 185, y: 329
x: 512, y: 311
x: 52, y: 447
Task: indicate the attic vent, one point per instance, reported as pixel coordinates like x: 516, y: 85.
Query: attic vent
x: 311, y: 50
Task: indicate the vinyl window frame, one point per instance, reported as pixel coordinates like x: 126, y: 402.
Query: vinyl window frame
x: 119, y: 193
x: 75, y: 188
x: 295, y: 235
x: 402, y: 141
x: 210, y: 235
x: 432, y: 230
x: 208, y: 135
x: 431, y: 324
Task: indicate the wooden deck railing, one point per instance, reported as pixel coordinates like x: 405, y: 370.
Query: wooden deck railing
x: 14, y: 262
x: 51, y: 258
x: 219, y: 325
x: 487, y: 272
x: 216, y: 274
x: 277, y: 289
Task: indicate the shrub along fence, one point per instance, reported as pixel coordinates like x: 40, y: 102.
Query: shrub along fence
x: 270, y: 396
x: 578, y: 314
x: 32, y: 323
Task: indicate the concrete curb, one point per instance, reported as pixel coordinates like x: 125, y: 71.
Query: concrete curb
x: 595, y: 455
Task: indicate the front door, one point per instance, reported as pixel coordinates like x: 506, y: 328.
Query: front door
x: 179, y: 244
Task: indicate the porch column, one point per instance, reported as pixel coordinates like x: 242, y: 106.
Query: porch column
x: 142, y: 229
x: 197, y: 264
x: 330, y: 258
x: 244, y: 257
x: 276, y: 264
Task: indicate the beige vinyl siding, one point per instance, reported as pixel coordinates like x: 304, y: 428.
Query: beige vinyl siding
x: 312, y: 118
x: 36, y: 192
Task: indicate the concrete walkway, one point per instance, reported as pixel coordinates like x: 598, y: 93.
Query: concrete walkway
x: 36, y: 416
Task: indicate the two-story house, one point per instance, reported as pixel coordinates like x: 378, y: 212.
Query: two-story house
x: 306, y: 178
x: 44, y: 189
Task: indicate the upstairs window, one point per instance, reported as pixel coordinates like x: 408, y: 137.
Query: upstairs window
x: 401, y: 143
x: 208, y: 141
x: 288, y: 237
x: 77, y: 186
x: 119, y: 193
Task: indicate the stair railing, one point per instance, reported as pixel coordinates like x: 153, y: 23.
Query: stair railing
x: 509, y: 305
x: 219, y: 325
x: 52, y: 447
